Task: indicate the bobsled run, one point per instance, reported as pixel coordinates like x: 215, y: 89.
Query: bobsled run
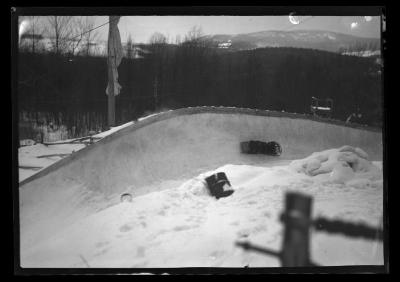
x: 139, y: 198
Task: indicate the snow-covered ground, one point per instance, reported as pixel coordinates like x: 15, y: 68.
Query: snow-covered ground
x: 177, y: 223
x: 185, y: 227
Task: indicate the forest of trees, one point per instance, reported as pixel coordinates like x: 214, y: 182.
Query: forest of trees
x: 194, y: 73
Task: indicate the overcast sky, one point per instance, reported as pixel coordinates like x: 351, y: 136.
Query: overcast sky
x: 142, y: 27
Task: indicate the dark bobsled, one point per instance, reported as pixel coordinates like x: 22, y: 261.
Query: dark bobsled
x: 259, y: 147
x: 216, y: 183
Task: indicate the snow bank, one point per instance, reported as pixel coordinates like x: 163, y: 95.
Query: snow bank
x: 346, y: 164
x: 185, y: 227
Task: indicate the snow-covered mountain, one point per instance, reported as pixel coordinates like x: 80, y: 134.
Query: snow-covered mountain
x: 314, y: 39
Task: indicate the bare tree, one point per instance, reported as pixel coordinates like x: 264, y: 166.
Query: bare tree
x: 178, y: 39
x: 168, y: 38
x: 195, y: 37
x: 130, y: 48
x: 36, y: 31
x: 82, y: 35
x: 157, y: 38
x: 75, y: 38
x: 59, y: 29
x: 158, y: 42
x: 89, y: 34
x: 194, y: 34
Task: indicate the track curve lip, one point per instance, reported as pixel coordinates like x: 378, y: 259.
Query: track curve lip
x: 182, y: 112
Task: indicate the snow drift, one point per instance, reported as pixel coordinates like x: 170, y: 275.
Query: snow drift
x: 347, y: 165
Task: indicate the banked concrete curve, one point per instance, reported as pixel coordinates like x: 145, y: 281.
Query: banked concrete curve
x: 175, y: 143
x: 161, y: 152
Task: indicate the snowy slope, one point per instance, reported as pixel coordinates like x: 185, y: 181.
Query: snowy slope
x: 78, y: 197
x: 185, y: 227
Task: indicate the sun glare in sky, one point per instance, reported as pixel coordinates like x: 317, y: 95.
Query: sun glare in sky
x: 22, y: 27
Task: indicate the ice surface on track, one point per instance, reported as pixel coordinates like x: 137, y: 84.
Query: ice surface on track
x: 71, y: 215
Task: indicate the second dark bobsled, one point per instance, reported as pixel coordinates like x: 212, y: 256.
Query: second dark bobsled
x: 216, y: 184
x: 272, y: 148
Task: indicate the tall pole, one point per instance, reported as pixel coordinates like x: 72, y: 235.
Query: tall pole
x: 155, y: 92
x: 111, y: 98
x: 111, y: 111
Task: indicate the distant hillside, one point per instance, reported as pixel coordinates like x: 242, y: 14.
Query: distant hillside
x: 312, y: 39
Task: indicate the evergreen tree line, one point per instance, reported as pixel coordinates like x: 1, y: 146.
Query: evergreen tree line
x: 193, y: 73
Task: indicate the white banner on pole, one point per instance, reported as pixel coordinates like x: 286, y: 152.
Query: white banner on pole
x: 115, y: 54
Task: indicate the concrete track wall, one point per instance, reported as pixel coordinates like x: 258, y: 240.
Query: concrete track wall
x: 182, y: 142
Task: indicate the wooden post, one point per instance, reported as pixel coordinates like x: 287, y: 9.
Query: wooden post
x: 156, y: 92
x: 111, y: 98
x: 111, y: 110
x: 295, y: 250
